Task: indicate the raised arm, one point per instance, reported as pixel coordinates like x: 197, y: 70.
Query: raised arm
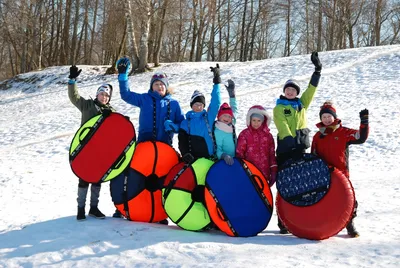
x: 123, y: 65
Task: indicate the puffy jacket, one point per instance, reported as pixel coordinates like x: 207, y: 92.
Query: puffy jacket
x: 257, y: 145
x: 291, y: 121
x: 332, y: 143
x: 225, y: 138
x: 165, y: 108
x: 195, y: 133
x: 89, y: 108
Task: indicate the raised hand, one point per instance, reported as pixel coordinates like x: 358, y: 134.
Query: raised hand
x: 231, y: 88
x: 74, y: 72
x: 217, y: 74
x: 316, y: 62
x: 123, y: 65
x: 364, y: 116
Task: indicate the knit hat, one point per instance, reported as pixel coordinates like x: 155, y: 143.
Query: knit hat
x: 107, y: 88
x: 197, y: 97
x: 159, y: 77
x: 327, y: 108
x: 259, y: 116
x: 292, y: 83
x: 225, y: 109
x: 258, y: 110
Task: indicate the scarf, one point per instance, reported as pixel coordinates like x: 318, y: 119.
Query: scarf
x: 295, y: 103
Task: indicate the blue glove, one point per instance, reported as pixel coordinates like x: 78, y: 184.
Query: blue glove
x: 170, y: 126
x: 227, y: 158
x: 123, y: 66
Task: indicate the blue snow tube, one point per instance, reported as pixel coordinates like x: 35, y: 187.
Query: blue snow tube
x: 238, y: 198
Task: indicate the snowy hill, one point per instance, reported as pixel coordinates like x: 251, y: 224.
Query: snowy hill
x: 38, y: 189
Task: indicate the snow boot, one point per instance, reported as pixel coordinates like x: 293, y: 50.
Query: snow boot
x: 351, y: 230
x: 81, y: 214
x: 95, y: 212
x: 165, y: 222
x: 282, y: 228
x: 117, y: 214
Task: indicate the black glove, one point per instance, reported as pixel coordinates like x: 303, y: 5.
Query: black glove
x: 188, y: 158
x: 74, y: 72
x: 217, y: 74
x: 123, y: 65
x: 106, y: 112
x: 316, y: 62
x: 364, y: 116
x: 231, y: 88
x: 297, y: 154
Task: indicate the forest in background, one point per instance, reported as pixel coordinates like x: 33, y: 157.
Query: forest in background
x: 43, y: 33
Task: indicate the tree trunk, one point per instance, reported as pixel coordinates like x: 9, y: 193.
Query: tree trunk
x: 96, y: 6
x: 143, y: 54
x: 133, y: 50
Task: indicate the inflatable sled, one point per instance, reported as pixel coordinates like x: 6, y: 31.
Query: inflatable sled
x: 304, y: 182
x: 311, y: 208
x: 238, y: 198
x: 136, y: 193
x: 183, y: 195
x: 102, y: 148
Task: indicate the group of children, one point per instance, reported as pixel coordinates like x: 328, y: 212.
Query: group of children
x: 211, y: 132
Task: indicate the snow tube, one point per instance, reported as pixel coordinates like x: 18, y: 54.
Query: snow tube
x: 323, y: 219
x: 136, y: 193
x: 102, y: 148
x: 238, y: 198
x: 183, y: 195
x: 303, y: 182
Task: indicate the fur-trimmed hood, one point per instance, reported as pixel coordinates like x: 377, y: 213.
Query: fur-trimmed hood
x: 258, y: 109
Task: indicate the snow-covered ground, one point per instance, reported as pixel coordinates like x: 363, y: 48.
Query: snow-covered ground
x: 38, y: 189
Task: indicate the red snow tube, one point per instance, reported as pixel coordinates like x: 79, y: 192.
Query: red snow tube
x: 102, y: 148
x: 150, y: 164
x: 323, y: 219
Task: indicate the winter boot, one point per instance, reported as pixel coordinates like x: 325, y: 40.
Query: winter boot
x: 117, y: 214
x: 282, y: 228
x: 351, y: 230
x: 165, y: 222
x: 95, y: 212
x: 81, y: 214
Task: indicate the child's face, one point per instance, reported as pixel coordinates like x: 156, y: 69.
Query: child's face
x: 327, y: 119
x: 103, y: 97
x: 197, y: 107
x: 160, y: 88
x: 290, y: 93
x: 225, y: 118
x: 255, y: 122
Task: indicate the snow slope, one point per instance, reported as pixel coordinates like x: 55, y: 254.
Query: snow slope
x: 38, y: 189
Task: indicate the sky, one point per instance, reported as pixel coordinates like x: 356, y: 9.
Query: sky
x: 38, y: 190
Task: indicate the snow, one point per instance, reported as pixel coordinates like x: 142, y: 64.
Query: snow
x: 38, y: 190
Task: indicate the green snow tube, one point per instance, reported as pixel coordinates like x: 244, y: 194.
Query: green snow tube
x: 183, y: 195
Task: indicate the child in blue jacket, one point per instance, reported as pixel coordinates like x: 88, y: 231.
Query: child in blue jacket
x: 160, y: 114
x: 195, y: 133
x: 224, y: 127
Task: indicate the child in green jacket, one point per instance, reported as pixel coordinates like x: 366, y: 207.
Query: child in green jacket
x: 89, y: 108
x: 291, y: 121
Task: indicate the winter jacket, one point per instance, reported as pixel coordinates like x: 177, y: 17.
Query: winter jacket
x: 89, y: 108
x: 291, y: 121
x: 151, y: 103
x: 195, y: 133
x: 258, y: 146
x: 332, y: 143
x: 225, y: 135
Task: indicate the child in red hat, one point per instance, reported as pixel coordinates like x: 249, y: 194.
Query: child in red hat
x: 224, y: 128
x: 332, y: 141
